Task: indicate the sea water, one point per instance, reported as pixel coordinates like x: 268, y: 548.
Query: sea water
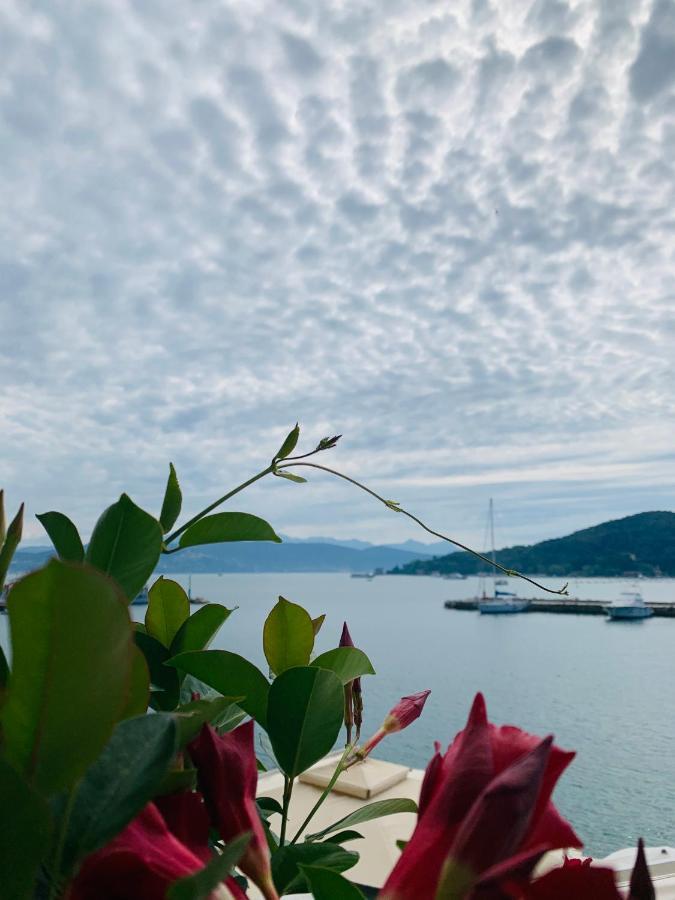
x: 605, y: 689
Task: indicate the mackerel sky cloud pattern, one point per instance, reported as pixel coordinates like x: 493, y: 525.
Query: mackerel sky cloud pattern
x: 444, y: 230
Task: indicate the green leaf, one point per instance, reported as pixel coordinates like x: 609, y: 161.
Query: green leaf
x: 191, y: 716
x: 3, y: 523
x: 268, y: 806
x: 4, y: 671
x: 139, y: 686
x: 173, y: 500
x: 326, y: 884
x: 305, y: 712
x: 317, y: 623
x: 126, y: 543
x: 117, y: 786
x: 197, y: 632
x: 228, y: 526
x: 298, y: 479
x: 200, y: 885
x: 168, y: 608
x: 287, y: 860
x: 176, y: 781
x: 72, y: 653
x: 231, y: 675
x: 348, y: 663
x: 343, y: 836
x: 11, y: 542
x: 24, y: 834
x: 367, y: 813
x: 63, y: 534
x: 288, y: 636
x: 164, y: 679
x: 289, y: 443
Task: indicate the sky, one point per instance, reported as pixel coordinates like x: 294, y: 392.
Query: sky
x: 444, y: 230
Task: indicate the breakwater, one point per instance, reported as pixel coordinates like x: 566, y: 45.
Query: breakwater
x: 572, y: 606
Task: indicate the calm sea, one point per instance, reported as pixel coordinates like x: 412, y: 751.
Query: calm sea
x: 606, y: 690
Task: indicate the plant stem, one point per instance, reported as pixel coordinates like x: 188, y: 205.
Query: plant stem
x: 288, y: 790
x: 326, y: 791
x: 438, y: 534
x: 207, y: 509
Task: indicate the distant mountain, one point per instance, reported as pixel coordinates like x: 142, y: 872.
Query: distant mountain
x: 643, y: 544
x: 257, y: 556
x: 417, y: 547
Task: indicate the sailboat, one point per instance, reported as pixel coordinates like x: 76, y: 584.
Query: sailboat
x: 501, y: 602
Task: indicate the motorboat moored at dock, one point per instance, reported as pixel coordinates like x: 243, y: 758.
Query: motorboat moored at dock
x: 629, y: 606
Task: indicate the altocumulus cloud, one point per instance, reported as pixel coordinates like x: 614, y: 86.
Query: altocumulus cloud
x: 445, y: 230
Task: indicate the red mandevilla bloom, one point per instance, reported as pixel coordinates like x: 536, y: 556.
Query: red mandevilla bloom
x: 145, y: 859
x: 228, y: 777
x: 406, y: 711
x: 485, y: 812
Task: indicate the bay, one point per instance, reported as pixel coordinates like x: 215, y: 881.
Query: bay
x: 606, y: 690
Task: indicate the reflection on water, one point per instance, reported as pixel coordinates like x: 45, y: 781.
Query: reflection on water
x: 605, y: 690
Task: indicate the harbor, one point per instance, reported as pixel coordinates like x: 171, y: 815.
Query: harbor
x: 572, y: 606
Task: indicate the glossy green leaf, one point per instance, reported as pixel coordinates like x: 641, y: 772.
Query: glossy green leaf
x: 289, y: 443
x: 200, y: 885
x: 139, y: 686
x: 367, y: 813
x: 72, y: 654
x: 63, y: 534
x: 197, y: 632
x: 287, y: 861
x: 24, y: 834
x: 231, y: 675
x: 326, y: 884
x: 4, y: 671
x: 343, y: 836
x: 163, y: 679
x: 348, y: 663
x: 117, y: 786
x: 178, y: 780
x: 268, y: 806
x: 190, y: 717
x: 228, y: 526
x: 173, y: 500
x: 305, y: 713
x: 9, y: 545
x: 298, y: 479
x: 317, y: 623
x: 168, y: 608
x: 126, y: 544
x: 288, y: 636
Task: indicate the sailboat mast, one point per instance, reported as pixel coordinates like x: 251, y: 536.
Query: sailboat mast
x: 492, y: 545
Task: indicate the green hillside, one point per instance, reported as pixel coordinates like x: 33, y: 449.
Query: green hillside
x: 642, y: 544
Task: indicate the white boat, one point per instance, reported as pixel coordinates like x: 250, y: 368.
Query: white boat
x: 629, y: 606
x: 500, y: 602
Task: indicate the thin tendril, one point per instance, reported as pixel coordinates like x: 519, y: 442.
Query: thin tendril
x: 438, y: 534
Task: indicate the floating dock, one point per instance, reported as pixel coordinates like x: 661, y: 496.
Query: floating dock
x: 573, y: 607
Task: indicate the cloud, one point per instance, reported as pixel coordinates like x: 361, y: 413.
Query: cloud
x: 446, y: 236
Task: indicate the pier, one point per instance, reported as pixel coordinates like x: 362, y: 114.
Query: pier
x: 573, y: 607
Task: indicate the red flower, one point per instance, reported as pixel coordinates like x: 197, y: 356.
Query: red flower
x: 485, y: 811
x: 572, y: 883
x: 406, y: 711
x: 228, y: 777
x: 141, y: 861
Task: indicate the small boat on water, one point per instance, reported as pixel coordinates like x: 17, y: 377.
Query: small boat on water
x: 368, y: 575
x: 500, y: 602
x: 629, y: 606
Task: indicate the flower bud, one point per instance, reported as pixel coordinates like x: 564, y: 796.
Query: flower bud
x: 406, y: 711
